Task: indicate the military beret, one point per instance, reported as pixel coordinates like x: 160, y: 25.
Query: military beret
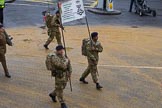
x: 57, y: 12
x: 94, y: 34
x: 59, y: 47
x: 1, y: 25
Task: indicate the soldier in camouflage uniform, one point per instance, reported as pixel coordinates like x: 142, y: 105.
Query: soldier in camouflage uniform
x: 62, y: 72
x: 4, y: 39
x: 53, y: 30
x: 93, y: 48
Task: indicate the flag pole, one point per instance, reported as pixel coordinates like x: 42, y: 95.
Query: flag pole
x: 88, y: 27
x: 63, y: 38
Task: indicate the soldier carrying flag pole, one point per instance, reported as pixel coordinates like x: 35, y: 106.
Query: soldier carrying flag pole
x: 64, y: 41
x: 72, y: 10
x: 59, y: 64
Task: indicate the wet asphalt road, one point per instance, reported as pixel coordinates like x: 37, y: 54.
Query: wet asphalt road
x: 25, y: 13
x: 130, y: 69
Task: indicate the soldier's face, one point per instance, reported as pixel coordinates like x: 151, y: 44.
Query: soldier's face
x: 95, y: 39
x: 60, y: 52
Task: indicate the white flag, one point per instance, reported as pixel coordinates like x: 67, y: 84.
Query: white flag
x: 72, y: 10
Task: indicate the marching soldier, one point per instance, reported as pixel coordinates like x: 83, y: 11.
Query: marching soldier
x: 93, y: 47
x: 53, y: 29
x: 4, y: 39
x: 62, y: 72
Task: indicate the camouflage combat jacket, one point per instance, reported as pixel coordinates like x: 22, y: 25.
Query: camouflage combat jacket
x: 3, y: 42
x: 93, y: 55
x: 55, y: 23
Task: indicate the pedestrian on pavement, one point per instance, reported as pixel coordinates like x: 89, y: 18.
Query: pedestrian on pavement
x: 2, y: 6
x: 131, y: 5
x: 4, y: 39
x: 93, y: 48
x: 62, y: 72
x: 53, y: 29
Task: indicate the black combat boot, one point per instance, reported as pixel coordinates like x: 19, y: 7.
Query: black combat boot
x: 83, y: 80
x: 53, y: 98
x: 63, y: 105
x: 46, y: 46
x: 7, y: 75
x: 98, y: 86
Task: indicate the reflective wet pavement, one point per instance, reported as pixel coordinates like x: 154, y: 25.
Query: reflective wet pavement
x: 130, y: 69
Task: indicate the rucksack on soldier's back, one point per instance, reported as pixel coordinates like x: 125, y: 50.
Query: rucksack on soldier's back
x: 48, y: 21
x: 84, y: 44
x: 48, y: 61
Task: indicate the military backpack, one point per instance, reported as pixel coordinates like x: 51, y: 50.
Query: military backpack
x: 84, y: 44
x: 49, y: 61
x: 48, y: 21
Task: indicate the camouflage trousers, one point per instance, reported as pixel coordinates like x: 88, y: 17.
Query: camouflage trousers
x: 53, y: 34
x: 93, y: 70
x: 60, y: 84
x: 3, y: 61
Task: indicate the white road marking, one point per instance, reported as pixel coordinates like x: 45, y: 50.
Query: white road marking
x: 138, y: 67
